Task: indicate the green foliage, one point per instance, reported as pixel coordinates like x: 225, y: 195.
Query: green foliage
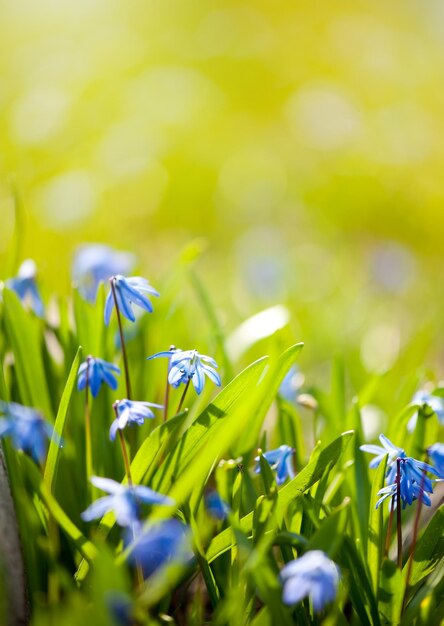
x: 75, y: 569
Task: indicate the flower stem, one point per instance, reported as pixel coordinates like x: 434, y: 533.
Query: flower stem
x: 389, y: 531
x: 88, y: 447
x: 126, y: 461
x: 398, y: 511
x: 122, y: 340
x: 179, y: 408
x: 415, y: 537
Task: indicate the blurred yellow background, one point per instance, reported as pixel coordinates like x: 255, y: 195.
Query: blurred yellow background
x: 301, y: 140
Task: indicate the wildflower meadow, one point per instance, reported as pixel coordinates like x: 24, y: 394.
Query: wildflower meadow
x: 153, y: 484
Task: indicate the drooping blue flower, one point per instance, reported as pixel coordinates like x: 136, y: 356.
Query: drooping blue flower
x: 96, y: 263
x: 163, y: 543
x: 26, y: 428
x: 313, y: 575
x: 131, y: 412
x: 186, y: 365
x: 388, y: 448
x: 25, y: 286
x: 279, y: 460
x: 123, y: 500
x: 414, y: 483
x: 436, y: 453
x: 430, y: 404
x: 129, y: 291
x: 96, y: 371
x: 216, y: 507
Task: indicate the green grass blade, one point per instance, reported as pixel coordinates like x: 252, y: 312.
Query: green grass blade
x: 52, y: 461
x: 375, y: 526
x: 25, y: 333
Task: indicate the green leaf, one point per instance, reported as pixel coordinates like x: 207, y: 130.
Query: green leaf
x: 25, y: 333
x: 266, y: 393
x: 390, y: 592
x: 52, y: 461
x: 429, y: 549
x: 376, y: 526
x: 85, y: 547
x: 290, y: 492
x: 202, y: 433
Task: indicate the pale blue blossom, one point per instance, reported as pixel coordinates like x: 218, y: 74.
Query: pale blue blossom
x: 280, y: 460
x: 26, y: 428
x: 123, y: 500
x: 129, y: 291
x: 130, y: 412
x: 189, y: 365
x: 25, y: 286
x: 96, y: 263
x: 428, y: 403
x: 313, y: 575
x: 94, y: 372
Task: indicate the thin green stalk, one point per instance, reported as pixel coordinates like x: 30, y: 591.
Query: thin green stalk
x: 389, y: 532
x: 122, y: 340
x: 88, y: 447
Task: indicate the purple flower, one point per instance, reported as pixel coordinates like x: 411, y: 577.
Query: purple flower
x: 436, y: 453
x: 124, y: 501
x: 96, y: 371
x: 186, y: 365
x: 164, y: 542
x: 131, y: 412
x: 388, y: 448
x: 25, y: 286
x: 313, y: 575
x: 279, y: 460
x: 129, y: 291
x: 26, y: 428
x: 96, y: 263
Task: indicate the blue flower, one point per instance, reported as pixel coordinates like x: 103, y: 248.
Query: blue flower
x: 131, y: 412
x: 96, y: 263
x: 164, y: 542
x: 291, y: 384
x: 96, y: 371
x: 430, y: 404
x: 27, y: 429
x: 279, y: 460
x: 414, y: 483
x: 129, y: 291
x: 25, y: 286
x: 124, y: 501
x: 436, y: 453
x: 217, y: 507
x: 313, y: 575
x: 388, y: 448
x: 186, y: 365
